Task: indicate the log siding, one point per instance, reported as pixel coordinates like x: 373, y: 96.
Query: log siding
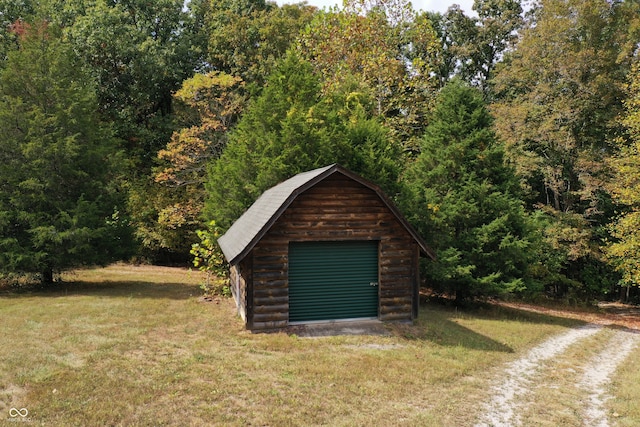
x: 335, y: 209
x: 326, y: 204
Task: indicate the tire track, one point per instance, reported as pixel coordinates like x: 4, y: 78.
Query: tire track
x: 501, y: 411
x: 598, y: 372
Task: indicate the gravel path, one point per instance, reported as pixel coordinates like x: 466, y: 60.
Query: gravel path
x: 598, y: 374
x: 518, y: 377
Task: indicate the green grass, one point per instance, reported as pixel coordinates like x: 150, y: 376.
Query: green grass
x: 137, y: 346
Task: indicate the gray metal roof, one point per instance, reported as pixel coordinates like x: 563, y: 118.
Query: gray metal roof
x: 243, y: 235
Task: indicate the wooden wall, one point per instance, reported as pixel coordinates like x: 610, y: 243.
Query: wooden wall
x: 238, y: 285
x: 337, y: 208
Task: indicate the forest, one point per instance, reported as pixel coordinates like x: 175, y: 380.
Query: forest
x: 509, y: 138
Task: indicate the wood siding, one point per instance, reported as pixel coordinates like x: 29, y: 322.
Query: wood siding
x: 239, y: 290
x: 337, y: 208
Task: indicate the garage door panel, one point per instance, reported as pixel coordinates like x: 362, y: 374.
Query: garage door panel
x: 333, y: 280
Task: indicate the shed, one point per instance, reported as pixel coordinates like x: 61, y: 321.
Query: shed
x: 324, y: 245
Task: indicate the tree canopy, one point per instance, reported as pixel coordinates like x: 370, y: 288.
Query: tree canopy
x: 465, y: 200
x: 57, y: 206
x: 508, y: 136
x: 293, y: 127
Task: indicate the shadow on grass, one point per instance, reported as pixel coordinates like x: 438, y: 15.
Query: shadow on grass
x: 440, y: 325
x: 108, y: 289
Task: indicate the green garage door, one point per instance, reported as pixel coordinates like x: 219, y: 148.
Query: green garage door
x: 333, y: 280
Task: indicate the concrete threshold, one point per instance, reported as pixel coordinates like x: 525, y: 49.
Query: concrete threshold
x: 351, y: 327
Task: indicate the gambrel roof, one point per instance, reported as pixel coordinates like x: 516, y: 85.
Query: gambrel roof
x: 247, y: 231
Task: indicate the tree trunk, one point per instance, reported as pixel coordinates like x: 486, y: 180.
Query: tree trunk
x: 47, y: 276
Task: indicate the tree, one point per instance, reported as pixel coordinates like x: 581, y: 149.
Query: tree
x: 464, y: 200
x: 139, y: 53
x: 454, y: 30
x: 208, y: 106
x: 248, y: 37
x: 13, y: 14
x: 57, y: 209
x: 557, y: 98
x: 472, y: 46
x: 386, y: 47
x: 559, y: 93
x: 497, y: 26
x: 624, y: 250
x: 290, y: 128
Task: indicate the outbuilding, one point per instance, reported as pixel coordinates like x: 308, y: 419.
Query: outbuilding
x: 324, y: 245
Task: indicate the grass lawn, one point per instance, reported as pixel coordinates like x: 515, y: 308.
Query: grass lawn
x: 137, y: 346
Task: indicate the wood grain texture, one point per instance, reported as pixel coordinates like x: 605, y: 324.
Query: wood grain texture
x: 335, y: 209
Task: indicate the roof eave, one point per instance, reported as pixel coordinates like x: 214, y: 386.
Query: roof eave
x: 331, y: 169
x: 267, y: 226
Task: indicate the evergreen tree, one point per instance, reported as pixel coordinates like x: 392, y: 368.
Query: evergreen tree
x: 291, y: 128
x: 465, y: 201
x: 56, y: 210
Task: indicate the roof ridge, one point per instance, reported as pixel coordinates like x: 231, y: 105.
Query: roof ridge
x: 247, y: 230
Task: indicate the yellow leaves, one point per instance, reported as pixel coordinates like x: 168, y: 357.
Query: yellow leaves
x: 201, y: 86
x: 569, y: 232
x: 208, y: 257
x: 214, y: 101
x: 625, y: 252
x: 625, y: 189
x: 184, y: 152
x: 179, y: 214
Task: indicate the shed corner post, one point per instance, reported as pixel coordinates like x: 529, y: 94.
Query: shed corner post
x: 248, y: 277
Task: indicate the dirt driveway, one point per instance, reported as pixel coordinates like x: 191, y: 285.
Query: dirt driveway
x: 518, y: 381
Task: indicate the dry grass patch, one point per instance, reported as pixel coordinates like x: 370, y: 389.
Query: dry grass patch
x: 556, y: 396
x: 624, y: 406
x: 136, y: 346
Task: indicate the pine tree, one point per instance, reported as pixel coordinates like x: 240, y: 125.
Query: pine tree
x: 464, y: 200
x: 56, y: 210
x: 290, y: 128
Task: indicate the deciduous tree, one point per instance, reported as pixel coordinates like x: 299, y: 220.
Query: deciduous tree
x: 558, y: 95
x: 625, y: 187
x: 248, y: 37
x: 207, y: 106
x: 387, y: 47
x: 139, y: 53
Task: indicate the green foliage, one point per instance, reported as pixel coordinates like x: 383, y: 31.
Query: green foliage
x: 624, y: 250
x: 167, y: 209
x: 56, y: 162
x: 117, y: 100
x: 558, y: 97
x: 558, y: 120
x: 471, y: 47
x: 132, y: 52
x: 388, y: 49
x: 292, y: 128
x: 465, y: 201
x: 248, y: 37
x: 208, y: 257
x: 12, y: 14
